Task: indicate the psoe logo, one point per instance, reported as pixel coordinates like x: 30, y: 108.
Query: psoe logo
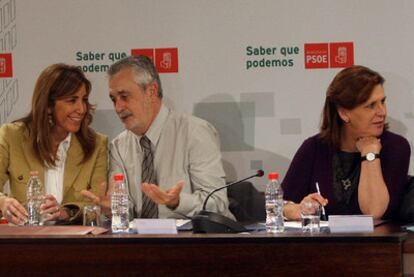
x: 329, y: 55
x: 6, y: 69
x: 164, y: 59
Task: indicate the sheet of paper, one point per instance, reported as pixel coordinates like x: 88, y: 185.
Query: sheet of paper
x: 298, y: 224
x: 181, y: 222
x: 351, y: 223
x: 155, y: 226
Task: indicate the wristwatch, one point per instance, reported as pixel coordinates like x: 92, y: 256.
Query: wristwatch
x: 370, y: 157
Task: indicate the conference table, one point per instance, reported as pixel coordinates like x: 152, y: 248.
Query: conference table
x: 380, y: 253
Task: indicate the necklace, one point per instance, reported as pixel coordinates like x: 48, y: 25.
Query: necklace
x: 346, y: 183
x: 346, y: 167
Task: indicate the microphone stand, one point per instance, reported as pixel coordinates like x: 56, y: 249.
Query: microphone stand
x: 211, y: 222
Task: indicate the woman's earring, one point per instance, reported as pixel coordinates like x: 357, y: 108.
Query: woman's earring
x: 50, y: 118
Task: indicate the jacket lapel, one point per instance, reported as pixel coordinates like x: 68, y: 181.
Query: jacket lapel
x: 32, y: 161
x: 72, y: 164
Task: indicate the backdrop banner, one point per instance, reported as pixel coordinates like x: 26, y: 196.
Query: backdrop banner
x: 257, y: 70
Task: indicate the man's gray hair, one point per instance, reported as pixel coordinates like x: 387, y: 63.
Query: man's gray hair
x: 144, y: 69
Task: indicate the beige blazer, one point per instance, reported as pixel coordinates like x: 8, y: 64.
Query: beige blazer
x: 17, y: 159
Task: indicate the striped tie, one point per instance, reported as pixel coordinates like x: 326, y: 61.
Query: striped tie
x: 149, y: 207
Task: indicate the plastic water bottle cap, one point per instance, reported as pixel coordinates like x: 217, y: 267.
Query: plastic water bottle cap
x: 34, y: 173
x: 118, y: 177
x: 273, y: 176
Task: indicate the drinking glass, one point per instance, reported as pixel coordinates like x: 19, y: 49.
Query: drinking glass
x: 92, y: 215
x: 310, y: 213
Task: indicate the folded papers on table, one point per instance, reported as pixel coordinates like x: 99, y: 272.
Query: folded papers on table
x: 50, y: 230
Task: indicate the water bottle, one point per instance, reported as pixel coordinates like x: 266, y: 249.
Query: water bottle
x: 119, y: 205
x: 274, y: 205
x: 34, y: 198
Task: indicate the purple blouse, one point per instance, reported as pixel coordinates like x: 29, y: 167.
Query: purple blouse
x: 313, y: 163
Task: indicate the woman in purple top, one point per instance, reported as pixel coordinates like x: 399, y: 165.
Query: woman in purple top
x: 361, y: 168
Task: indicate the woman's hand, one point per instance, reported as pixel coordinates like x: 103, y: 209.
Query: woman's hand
x: 13, y: 211
x: 292, y: 211
x: 367, y: 145
x: 51, y: 210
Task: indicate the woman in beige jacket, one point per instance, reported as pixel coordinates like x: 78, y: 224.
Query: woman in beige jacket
x: 54, y: 139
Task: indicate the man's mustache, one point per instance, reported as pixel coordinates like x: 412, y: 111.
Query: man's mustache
x: 124, y: 114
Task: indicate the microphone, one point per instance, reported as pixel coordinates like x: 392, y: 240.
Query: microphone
x: 210, y: 222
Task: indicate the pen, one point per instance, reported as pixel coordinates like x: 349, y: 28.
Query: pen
x: 323, y: 208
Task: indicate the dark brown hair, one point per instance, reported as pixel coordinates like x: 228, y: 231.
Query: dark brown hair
x: 350, y: 88
x: 55, y: 82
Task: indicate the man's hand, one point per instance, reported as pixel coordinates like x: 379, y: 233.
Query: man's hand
x: 13, y: 211
x: 170, y: 198
x: 103, y: 200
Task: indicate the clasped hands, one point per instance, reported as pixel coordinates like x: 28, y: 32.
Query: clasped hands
x: 170, y: 198
x: 16, y: 213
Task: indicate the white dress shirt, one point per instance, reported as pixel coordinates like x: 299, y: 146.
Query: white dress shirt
x: 185, y: 148
x: 54, y: 176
